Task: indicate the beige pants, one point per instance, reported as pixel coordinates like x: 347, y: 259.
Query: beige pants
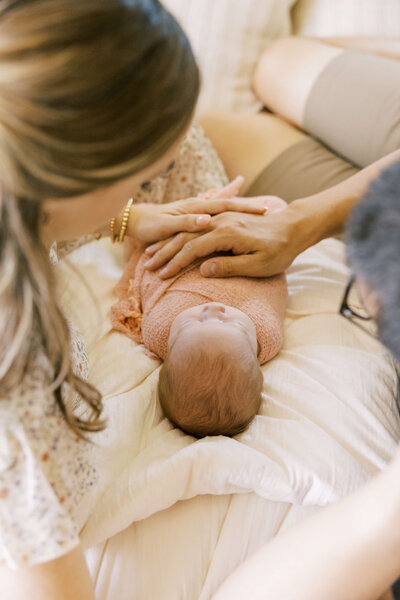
x: 353, y: 110
x: 304, y: 169
x: 354, y: 107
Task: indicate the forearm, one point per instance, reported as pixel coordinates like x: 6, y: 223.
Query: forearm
x: 349, y: 551
x: 65, y: 578
x: 389, y: 47
x: 324, y: 214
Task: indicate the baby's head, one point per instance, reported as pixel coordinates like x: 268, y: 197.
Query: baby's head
x: 210, y: 382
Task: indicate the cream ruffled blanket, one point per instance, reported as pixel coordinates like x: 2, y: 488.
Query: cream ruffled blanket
x: 328, y: 419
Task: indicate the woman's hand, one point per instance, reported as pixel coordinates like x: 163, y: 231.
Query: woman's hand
x: 263, y: 245
x: 151, y: 222
x: 267, y: 245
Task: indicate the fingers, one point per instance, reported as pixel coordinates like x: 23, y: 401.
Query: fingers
x: 246, y: 205
x: 209, y: 193
x: 200, y: 222
x: 168, y: 250
x: 176, y: 223
x: 230, y: 190
x: 232, y: 266
x: 256, y: 205
x: 218, y: 201
x: 201, y: 246
x: 151, y: 250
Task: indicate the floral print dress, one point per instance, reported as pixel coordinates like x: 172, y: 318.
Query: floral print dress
x: 44, y: 468
x: 46, y: 475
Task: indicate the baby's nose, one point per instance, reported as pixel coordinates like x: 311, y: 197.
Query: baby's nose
x: 213, y: 308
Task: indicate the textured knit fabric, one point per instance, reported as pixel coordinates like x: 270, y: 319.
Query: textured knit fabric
x: 148, y: 304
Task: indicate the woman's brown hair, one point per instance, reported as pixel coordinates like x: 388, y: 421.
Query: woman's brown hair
x: 91, y: 91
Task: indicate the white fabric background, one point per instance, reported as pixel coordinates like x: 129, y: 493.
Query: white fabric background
x: 328, y: 422
x: 329, y: 393
x: 347, y: 17
x: 227, y: 37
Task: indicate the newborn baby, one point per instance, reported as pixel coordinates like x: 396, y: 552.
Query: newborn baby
x: 213, y: 335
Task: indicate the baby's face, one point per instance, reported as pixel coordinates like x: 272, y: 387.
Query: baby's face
x: 215, y: 324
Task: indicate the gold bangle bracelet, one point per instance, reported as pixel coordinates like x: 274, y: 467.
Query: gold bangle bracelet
x: 125, y: 219
x: 112, y: 230
x: 124, y: 224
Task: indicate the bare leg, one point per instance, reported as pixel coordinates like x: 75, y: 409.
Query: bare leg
x: 287, y: 72
x: 345, y: 96
x: 288, y: 69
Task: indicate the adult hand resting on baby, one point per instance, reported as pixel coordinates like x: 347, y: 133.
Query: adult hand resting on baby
x: 151, y: 222
x: 266, y: 244
x: 260, y: 244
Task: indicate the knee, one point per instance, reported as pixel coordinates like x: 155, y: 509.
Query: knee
x: 286, y: 73
x: 276, y: 77
x: 274, y: 65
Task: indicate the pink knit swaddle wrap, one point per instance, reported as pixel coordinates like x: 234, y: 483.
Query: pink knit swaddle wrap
x: 147, y: 304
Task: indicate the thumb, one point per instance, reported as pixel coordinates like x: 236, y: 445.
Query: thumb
x: 228, y: 266
x: 231, y: 189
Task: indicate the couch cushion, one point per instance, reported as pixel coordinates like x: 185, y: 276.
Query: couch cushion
x: 347, y: 17
x: 227, y: 37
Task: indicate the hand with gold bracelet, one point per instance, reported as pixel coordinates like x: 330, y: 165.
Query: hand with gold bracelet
x: 67, y: 219
x: 265, y: 246
x: 153, y: 222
